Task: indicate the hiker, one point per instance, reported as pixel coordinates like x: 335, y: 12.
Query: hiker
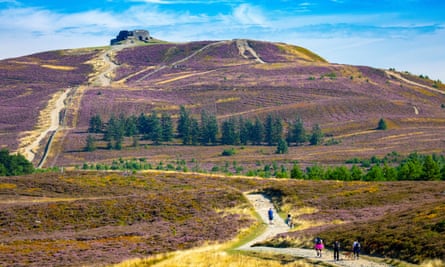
x: 270, y: 213
x: 336, y: 246
x: 356, y: 249
x: 318, y: 246
x: 289, y: 221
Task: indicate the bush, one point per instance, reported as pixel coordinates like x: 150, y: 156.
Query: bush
x: 11, y: 165
x: 382, y: 125
x: 229, y: 152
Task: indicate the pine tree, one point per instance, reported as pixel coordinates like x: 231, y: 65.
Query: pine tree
x: 229, y: 132
x: 183, y: 124
x: 297, y: 133
x: 382, y: 125
x: 167, y: 127
x: 277, y: 131
x: 282, y: 147
x: 194, y: 131
x: 91, y: 145
x: 316, y: 136
x: 431, y: 169
x: 95, y: 124
x: 208, y: 128
x: 156, y: 129
x: 131, y: 128
x: 268, y: 130
x: 257, y: 132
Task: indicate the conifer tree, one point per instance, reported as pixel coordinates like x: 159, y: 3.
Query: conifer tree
x: 156, y: 129
x: 95, y: 124
x: 167, y: 127
x: 316, y: 136
x: 257, y: 132
x: 91, y: 145
x: 382, y: 125
x: 282, y: 147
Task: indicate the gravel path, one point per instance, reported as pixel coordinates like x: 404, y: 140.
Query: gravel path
x: 262, y: 205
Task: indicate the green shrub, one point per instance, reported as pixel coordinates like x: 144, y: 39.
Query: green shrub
x: 229, y: 152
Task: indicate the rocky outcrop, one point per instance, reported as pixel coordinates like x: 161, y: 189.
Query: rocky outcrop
x: 135, y: 35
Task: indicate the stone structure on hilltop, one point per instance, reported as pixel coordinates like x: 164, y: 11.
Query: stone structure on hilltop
x: 136, y: 35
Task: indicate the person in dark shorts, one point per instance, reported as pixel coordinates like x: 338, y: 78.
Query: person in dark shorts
x: 336, y: 246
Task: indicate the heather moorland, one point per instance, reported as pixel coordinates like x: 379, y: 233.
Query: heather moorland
x: 99, y: 218
x: 156, y: 159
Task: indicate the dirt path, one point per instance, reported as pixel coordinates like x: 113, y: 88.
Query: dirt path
x: 262, y: 205
x: 398, y: 76
x: 244, y: 46
x: 32, y: 142
x: 106, y: 65
x: 181, y: 60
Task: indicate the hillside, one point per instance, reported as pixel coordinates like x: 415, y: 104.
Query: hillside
x: 229, y: 79
x: 101, y: 218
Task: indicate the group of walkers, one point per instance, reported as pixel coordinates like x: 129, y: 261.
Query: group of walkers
x: 289, y: 221
x: 319, y: 246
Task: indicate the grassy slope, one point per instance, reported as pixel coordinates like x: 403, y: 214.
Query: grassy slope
x: 85, y: 218
x: 346, y: 101
x: 90, y: 217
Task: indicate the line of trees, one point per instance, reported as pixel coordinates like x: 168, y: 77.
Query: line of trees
x: 203, y: 131
x: 414, y: 167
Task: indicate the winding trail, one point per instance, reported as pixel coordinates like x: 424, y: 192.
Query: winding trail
x: 107, y: 66
x: 262, y: 205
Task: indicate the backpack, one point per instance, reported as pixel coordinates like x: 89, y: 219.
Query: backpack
x: 317, y: 240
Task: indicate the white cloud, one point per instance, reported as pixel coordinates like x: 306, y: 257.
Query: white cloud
x: 249, y: 15
x: 372, y: 39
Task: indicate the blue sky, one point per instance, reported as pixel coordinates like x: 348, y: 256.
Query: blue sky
x: 406, y: 35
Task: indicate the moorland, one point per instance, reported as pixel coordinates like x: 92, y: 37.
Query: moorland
x: 146, y: 197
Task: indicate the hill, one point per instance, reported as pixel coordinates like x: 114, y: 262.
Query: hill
x: 227, y: 79
x: 79, y: 218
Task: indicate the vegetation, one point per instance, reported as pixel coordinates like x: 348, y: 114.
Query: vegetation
x: 392, y: 167
x: 378, y: 214
x: 206, y: 132
x: 382, y: 125
x: 82, y: 218
x: 11, y: 165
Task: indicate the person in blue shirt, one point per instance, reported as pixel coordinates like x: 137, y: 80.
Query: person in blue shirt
x: 270, y: 213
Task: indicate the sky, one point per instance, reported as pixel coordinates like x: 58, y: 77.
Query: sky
x: 408, y: 35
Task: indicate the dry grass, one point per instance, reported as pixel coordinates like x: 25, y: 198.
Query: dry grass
x: 212, y: 255
x: 56, y: 67
x: 433, y: 263
x: 184, y: 76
